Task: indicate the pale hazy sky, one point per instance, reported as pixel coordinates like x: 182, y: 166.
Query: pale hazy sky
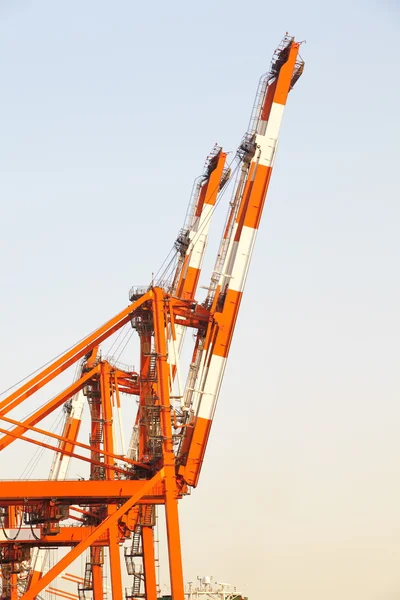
x: 107, y: 111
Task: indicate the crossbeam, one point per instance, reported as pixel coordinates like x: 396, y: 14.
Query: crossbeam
x: 74, y: 491
x: 146, y: 486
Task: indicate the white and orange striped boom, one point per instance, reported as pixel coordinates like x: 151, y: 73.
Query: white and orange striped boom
x: 256, y: 155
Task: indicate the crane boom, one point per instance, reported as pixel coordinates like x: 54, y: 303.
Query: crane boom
x: 258, y: 151
x: 192, y: 244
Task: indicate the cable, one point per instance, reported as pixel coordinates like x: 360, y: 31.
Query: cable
x: 46, y: 364
x: 165, y: 275
x: 172, y: 251
x: 220, y: 196
x: 27, y: 472
x: 129, y: 331
x: 108, y: 353
x: 12, y: 539
x: 33, y: 533
x: 127, y: 342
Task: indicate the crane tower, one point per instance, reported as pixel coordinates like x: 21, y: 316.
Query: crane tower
x: 113, y: 506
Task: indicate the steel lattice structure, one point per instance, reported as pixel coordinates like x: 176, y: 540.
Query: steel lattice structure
x: 169, y: 436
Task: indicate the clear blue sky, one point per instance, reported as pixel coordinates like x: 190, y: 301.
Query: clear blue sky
x: 107, y: 111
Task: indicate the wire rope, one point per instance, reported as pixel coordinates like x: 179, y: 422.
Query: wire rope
x: 166, y: 274
x: 47, y: 363
x: 123, y: 349
x: 109, y: 351
x: 172, y: 251
x: 32, y: 464
x: 12, y: 539
x: 129, y: 331
x: 33, y: 533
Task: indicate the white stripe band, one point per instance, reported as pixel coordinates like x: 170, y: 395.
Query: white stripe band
x: 268, y: 142
x: 211, y: 387
x: 243, y: 253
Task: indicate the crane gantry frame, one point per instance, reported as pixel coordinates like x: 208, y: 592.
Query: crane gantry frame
x: 117, y: 501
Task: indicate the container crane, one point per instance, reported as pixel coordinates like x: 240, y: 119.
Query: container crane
x: 116, y: 502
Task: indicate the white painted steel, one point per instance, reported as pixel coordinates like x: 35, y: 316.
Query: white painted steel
x: 244, y: 250
x: 268, y: 143
x: 212, y: 380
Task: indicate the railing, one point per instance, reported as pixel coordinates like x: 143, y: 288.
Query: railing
x: 136, y: 291
x: 119, y: 365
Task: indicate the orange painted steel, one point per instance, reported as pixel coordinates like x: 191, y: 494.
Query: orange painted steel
x: 92, y: 461
x: 70, y: 357
x: 68, y: 442
x: 149, y: 563
x: 71, y: 577
x: 105, y: 525
x: 115, y: 562
x: 117, y: 497
x: 61, y: 593
x: 97, y: 577
x: 10, y: 581
x: 73, y: 491
x: 46, y: 410
x: 160, y: 315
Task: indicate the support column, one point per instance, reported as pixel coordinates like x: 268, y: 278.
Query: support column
x: 66, y: 560
x: 96, y: 559
x: 12, y: 582
x: 97, y: 575
x: 115, y: 563
x: 161, y: 316
x: 149, y: 563
x: 145, y: 393
x: 106, y: 405
x: 174, y: 538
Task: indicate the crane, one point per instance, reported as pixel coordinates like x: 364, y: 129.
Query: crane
x: 115, y: 504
